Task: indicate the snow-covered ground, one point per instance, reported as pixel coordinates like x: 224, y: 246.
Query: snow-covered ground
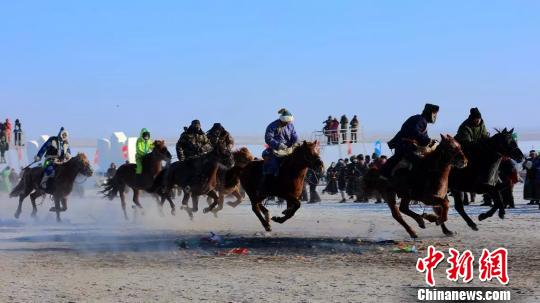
x: 328, y: 252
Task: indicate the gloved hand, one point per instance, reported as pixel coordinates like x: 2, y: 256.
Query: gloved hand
x: 37, y: 158
x: 282, y: 146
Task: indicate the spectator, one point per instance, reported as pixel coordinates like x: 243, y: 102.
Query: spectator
x: 334, y: 130
x: 5, y: 185
x: 354, y: 129
x: 312, y: 179
x: 111, y: 171
x: 331, y: 180
x: 7, y: 126
x: 344, y: 125
x: 327, y: 129
x: 4, y: 146
x: 17, y: 133
x: 531, y: 191
x: 341, y: 169
x: 13, y: 176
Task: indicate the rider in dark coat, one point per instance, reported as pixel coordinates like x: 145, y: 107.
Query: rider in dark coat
x: 193, y: 142
x: 56, y: 151
x: 218, y: 134
x: 413, y: 134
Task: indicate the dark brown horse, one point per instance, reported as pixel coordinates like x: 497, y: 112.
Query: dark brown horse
x: 196, y: 176
x: 484, y: 157
x: 288, y: 184
x: 427, y: 182
x: 229, y: 180
x: 59, y: 187
x: 126, y: 176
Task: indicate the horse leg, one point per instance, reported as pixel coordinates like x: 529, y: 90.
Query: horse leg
x: 404, y: 208
x: 160, y: 201
x: 195, y: 201
x: 33, y: 197
x: 497, y: 205
x: 391, y: 201
x: 266, y: 213
x: 185, y: 199
x: 22, y: 196
x: 64, y: 204
x: 458, y: 206
x: 57, y: 209
x: 123, y: 201
x: 238, y: 197
x: 256, y: 207
x: 171, y: 203
x: 292, y: 206
x: 442, y: 213
x: 211, y: 195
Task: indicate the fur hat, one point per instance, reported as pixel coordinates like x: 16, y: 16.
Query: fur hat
x: 285, y: 115
x: 475, y: 113
x: 431, y: 108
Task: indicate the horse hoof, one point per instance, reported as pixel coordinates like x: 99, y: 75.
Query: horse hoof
x: 482, y: 217
x: 17, y: 215
x: 268, y: 228
x: 448, y: 233
x: 205, y: 210
x: 173, y: 212
x: 501, y: 215
x: 474, y: 227
x: 414, y: 236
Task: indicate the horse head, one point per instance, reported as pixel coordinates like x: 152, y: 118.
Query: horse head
x: 83, y: 165
x: 242, y: 157
x: 308, y: 154
x: 160, y: 151
x: 504, y: 143
x: 451, y: 148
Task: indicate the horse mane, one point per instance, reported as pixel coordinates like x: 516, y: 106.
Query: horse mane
x: 242, y: 156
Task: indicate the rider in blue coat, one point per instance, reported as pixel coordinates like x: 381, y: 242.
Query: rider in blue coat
x: 56, y: 151
x: 279, y: 135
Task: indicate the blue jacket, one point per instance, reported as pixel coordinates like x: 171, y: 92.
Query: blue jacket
x: 276, y: 134
x: 54, y: 146
x: 415, y: 128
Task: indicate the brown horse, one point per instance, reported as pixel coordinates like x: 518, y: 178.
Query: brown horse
x: 126, y: 176
x: 59, y: 187
x: 427, y: 183
x: 288, y: 184
x: 229, y: 180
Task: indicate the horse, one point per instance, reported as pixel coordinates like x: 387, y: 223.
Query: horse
x: 484, y: 156
x: 229, y: 180
x: 59, y: 187
x: 126, y: 176
x: 288, y: 184
x: 196, y: 176
x: 427, y: 182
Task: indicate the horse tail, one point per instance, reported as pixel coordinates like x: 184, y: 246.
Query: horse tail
x: 18, y: 189
x: 110, y: 188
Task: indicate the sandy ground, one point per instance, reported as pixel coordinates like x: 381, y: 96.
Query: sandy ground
x: 328, y: 252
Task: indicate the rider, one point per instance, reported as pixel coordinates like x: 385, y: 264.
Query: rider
x: 472, y: 129
x: 218, y: 134
x: 193, y: 142
x: 279, y: 136
x: 56, y: 151
x: 413, y: 134
x: 144, y: 146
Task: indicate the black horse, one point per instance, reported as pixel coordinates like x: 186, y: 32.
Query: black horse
x: 484, y: 158
x: 197, y: 176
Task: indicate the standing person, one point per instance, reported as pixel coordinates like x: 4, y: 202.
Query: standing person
x: 280, y: 135
x: 4, y: 147
x: 362, y: 169
x: 312, y: 179
x: 331, y: 180
x: 17, y: 133
x: 111, y: 171
x: 341, y: 169
x: 354, y: 129
x: 327, y: 129
x: 531, y: 189
x: 334, y: 130
x: 344, y: 125
x: 7, y: 126
x: 144, y: 146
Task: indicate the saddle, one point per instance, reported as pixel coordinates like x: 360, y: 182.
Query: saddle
x: 283, y: 152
